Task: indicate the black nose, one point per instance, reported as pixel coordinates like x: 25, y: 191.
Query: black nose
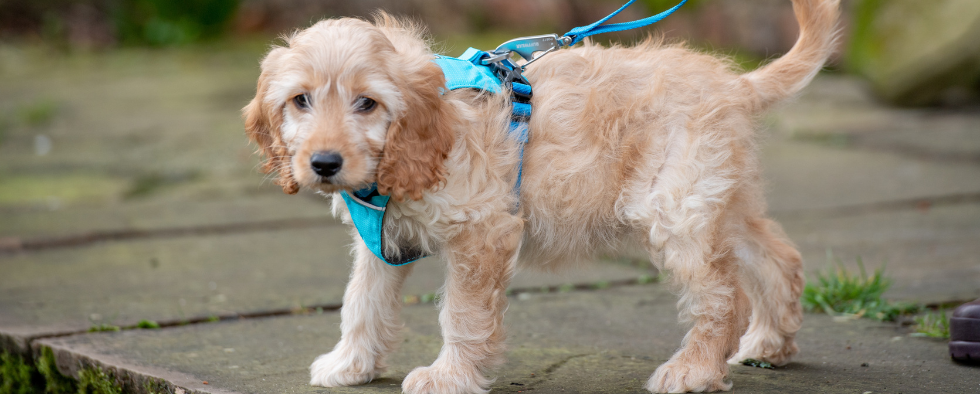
x: 326, y: 164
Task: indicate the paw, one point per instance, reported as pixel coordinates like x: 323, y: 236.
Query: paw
x: 342, y: 368
x: 677, y: 377
x: 773, y: 349
x: 441, y: 380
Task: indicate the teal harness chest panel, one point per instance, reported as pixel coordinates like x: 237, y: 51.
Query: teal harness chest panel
x: 462, y: 73
x: 367, y: 207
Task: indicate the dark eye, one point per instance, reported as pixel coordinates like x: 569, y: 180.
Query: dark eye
x: 364, y: 105
x: 302, y: 101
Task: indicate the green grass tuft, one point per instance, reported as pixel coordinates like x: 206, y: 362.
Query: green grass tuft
x: 38, y: 114
x: 932, y: 325
x: 645, y: 279
x: 428, y: 297
x: 147, y: 324
x: 838, y: 292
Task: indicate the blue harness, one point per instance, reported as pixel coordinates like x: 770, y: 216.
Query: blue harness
x: 494, y: 73
x: 367, y: 207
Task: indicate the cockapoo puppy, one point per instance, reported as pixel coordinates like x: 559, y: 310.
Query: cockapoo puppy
x: 651, y: 145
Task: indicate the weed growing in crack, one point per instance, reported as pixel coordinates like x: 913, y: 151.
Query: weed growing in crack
x: 103, y: 328
x: 838, y: 292
x: 148, y: 324
x: 932, y: 325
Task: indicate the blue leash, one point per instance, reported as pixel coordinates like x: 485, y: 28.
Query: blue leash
x: 579, y: 33
x: 533, y: 48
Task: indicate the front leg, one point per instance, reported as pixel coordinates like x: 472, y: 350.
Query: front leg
x: 369, y: 323
x: 481, y: 263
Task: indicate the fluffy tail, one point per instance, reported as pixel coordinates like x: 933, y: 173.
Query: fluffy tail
x: 788, y: 75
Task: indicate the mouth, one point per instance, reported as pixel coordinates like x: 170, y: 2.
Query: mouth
x: 330, y: 184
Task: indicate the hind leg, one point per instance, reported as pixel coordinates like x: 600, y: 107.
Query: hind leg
x: 707, y: 275
x: 712, y: 298
x: 772, y: 277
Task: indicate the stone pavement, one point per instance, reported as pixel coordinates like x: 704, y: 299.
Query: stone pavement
x: 133, y: 196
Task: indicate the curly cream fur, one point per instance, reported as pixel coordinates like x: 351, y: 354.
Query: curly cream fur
x: 650, y: 145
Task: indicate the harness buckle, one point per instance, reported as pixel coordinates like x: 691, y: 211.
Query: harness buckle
x: 530, y: 48
x: 509, y: 74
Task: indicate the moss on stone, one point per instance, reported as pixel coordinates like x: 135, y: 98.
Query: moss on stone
x: 96, y: 381
x: 17, y: 376
x: 54, y: 381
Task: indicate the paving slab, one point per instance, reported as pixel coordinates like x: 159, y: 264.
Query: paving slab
x: 836, y: 104
x: 930, y: 253
x: 602, y: 341
x: 165, y: 123
x: 261, y: 205
x: 807, y: 176
x: 66, y: 290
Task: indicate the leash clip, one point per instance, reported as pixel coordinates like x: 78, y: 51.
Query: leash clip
x: 527, y: 47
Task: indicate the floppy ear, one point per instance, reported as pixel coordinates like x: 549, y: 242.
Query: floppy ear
x: 263, y: 120
x: 418, y: 143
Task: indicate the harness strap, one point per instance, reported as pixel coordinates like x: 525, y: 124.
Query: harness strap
x: 468, y: 71
x: 367, y: 210
x: 579, y: 33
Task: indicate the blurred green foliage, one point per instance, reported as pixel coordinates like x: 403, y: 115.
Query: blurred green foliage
x: 917, y: 53
x: 130, y: 22
x: 658, y: 6
x: 861, y: 47
x: 170, y: 22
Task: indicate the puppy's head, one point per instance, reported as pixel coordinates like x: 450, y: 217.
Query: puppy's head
x: 348, y: 103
